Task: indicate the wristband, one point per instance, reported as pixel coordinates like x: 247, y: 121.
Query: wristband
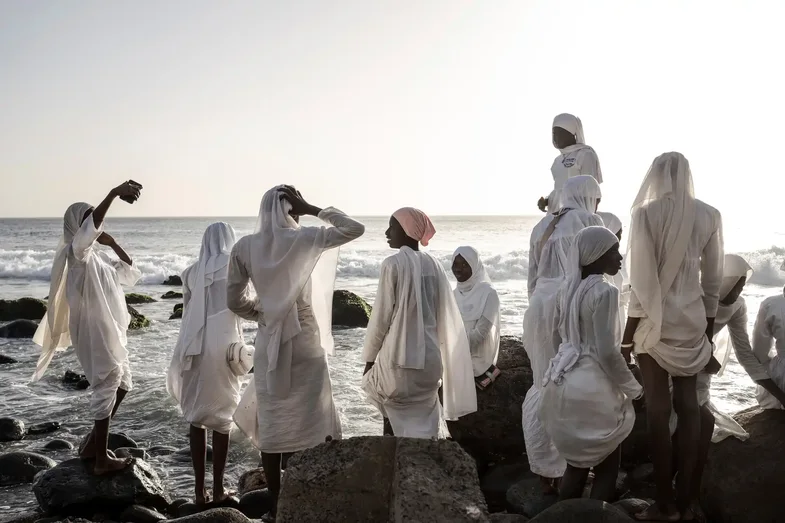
x: 627, y: 345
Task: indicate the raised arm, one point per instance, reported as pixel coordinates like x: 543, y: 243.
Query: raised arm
x: 605, y: 321
x: 238, y: 298
x: 382, y: 312
x: 344, y: 229
x: 125, y: 189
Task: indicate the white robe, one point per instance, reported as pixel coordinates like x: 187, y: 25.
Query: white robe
x: 575, y: 160
x: 590, y: 413
x: 483, y: 335
x: 770, y: 331
x: 417, y: 340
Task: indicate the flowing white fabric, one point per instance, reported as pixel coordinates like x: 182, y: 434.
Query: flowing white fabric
x: 675, y: 255
x: 734, y: 269
x: 405, y: 387
x: 479, y: 305
x: 768, y: 345
x: 574, y: 160
x: 620, y: 279
x: 611, y: 221
x: 199, y: 377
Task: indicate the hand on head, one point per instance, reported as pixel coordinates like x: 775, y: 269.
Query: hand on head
x: 295, y: 199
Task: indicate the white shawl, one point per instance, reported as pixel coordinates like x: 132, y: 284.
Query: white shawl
x: 472, y: 294
x: 734, y: 269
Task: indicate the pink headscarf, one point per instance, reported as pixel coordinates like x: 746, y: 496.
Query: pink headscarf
x: 415, y: 224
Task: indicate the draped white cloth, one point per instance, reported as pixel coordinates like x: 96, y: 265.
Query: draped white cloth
x: 768, y: 345
x: 675, y: 261
x: 199, y: 378
x: 575, y: 160
x: 409, y: 362
x: 288, y: 405
x: 586, y: 405
x: 479, y: 304
x: 735, y: 268
x: 87, y: 309
x: 620, y: 279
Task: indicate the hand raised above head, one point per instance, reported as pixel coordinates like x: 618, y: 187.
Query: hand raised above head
x: 299, y: 206
x: 128, y: 191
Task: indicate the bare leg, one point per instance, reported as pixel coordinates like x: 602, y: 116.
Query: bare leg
x: 271, y: 463
x: 550, y: 486
x: 573, y: 482
x: 198, y: 440
x: 605, y: 474
x: 704, y: 442
x: 103, y: 463
x: 685, y: 402
x: 220, y: 454
x: 87, y: 449
x: 387, y: 429
x: 658, y: 410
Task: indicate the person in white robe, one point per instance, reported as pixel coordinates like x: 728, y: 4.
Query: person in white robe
x: 675, y: 262
x: 586, y: 404
x: 416, y: 340
x: 549, y: 247
x: 620, y: 279
x: 575, y: 158
x: 199, y: 377
x: 479, y: 304
x: 87, y: 310
x: 288, y: 406
x: 768, y: 346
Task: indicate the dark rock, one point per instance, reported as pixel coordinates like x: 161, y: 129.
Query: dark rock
x: 743, y: 478
x: 501, y: 517
x: 189, y: 509
x: 643, y: 472
x: 59, y: 444
x: 22, y: 309
x: 161, y: 450
x: 499, y: 478
x: 130, y: 452
x: 21, y: 467
x: 381, y: 479
x: 172, y: 295
x: 19, y: 329
x: 349, y: 310
x: 118, y: 440
x: 46, y: 427
x: 173, y: 281
x: 526, y: 497
x: 75, y: 380
x: 133, y: 298
x: 494, y: 432
x: 179, y: 502
x: 71, y: 488
x: 6, y: 359
x: 11, y: 429
x: 138, y: 321
x: 140, y: 514
x: 253, y: 479
x: 582, y: 511
x: 215, y: 515
x: 184, y: 454
x: 177, y: 312
x: 632, y: 506
x: 256, y: 503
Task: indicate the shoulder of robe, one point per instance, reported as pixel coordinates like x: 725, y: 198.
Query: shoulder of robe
x: 705, y: 207
x: 586, y: 152
x: 606, y: 288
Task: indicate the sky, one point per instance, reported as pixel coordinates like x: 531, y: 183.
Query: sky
x: 370, y: 105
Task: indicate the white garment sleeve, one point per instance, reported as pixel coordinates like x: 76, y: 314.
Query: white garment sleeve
x: 85, y: 237
x: 482, y: 329
x: 238, y: 298
x: 605, y: 322
x: 186, y: 293
x: 712, y: 261
x: 382, y: 311
x: 740, y: 339
x: 589, y: 164
x: 532, y: 277
x: 344, y: 229
x: 128, y: 275
x: 762, y: 336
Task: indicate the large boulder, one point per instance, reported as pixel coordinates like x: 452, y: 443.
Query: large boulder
x: 744, y: 479
x: 133, y: 298
x: 382, y: 479
x: 138, y: 321
x: 21, y: 467
x: 495, y: 431
x: 349, y: 310
x: 46, y: 427
x: 174, y: 281
x: 19, y: 329
x: 172, y: 295
x: 11, y: 429
x: 71, y: 489
x: 215, y: 515
x: 22, y: 309
x: 582, y: 511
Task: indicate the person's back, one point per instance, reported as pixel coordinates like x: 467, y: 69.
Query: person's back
x: 770, y: 330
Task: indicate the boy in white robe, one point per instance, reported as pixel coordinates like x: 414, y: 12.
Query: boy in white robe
x: 288, y: 405
x: 769, y: 332
x: 415, y: 338
x: 199, y: 377
x: 87, y: 309
x: 575, y: 158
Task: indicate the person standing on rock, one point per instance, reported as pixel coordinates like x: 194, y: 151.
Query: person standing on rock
x: 479, y: 305
x: 199, y: 377
x: 87, y: 309
x: 676, y: 261
x: 416, y: 340
x: 288, y: 405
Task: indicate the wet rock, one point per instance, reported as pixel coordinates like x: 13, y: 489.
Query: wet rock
x: 526, y: 497
x: 349, y: 310
x: 499, y: 478
x: 253, y: 479
x: 189, y: 508
x: 632, y: 506
x: 179, y: 502
x: 742, y: 480
x: 118, y: 440
x: 215, y: 515
x: 177, y: 312
x: 256, y: 503
x: 173, y: 281
x: 46, y: 427
x: 582, y: 511
x: 133, y: 298
x: 382, y: 479
x: 130, y: 452
x: 140, y: 514
x: 494, y: 432
x: 22, y: 309
x: 19, y: 329
x: 75, y: 380
x: 6, y: 359
x: 138, y: 321
x: 161, y: 450
x: 500, y: 517
x: 21, y: 467
x: 71, y: 488
x: 11, y: 429
x: 184, y: 454
x: 172, y: 295
x: 59, y: 444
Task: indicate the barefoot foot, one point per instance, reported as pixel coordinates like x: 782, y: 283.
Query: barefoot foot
x: 222, y: 494
x: 203, y: 498
x: 109, y: 465
x: 657, y: 513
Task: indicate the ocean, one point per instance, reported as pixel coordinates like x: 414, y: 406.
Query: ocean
x: 165, y: 246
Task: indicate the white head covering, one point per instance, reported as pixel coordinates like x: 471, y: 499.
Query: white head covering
x: 735, y: 268
x: 53, y: 332
x: 611, y: 221
x: 654, y: 262
x: 472, y: 294
x: 589, y: 246
x: 580, y: 192
x: 572, y: 124
x: 217, y: 243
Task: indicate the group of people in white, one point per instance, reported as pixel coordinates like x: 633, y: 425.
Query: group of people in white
x: 429, y: 348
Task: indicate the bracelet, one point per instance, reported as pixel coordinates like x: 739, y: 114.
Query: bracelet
x: 627, y: 345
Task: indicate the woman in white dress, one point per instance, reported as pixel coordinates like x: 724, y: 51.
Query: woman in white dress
x: 479, y: 306
x: 586, y: 404
x: 288, y: 406
x: 199, y: 377
x: 768, y: 345
x: 620, y: 279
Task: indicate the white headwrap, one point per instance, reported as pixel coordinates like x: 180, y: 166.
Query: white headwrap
x: 53, y: 331
x: 217, y: 243
x: 580, y: 192
x: 571, y: 124
x: 472, y: 294
x: 590, y: 245
x: 734, y: 269
x: 611, y: 221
